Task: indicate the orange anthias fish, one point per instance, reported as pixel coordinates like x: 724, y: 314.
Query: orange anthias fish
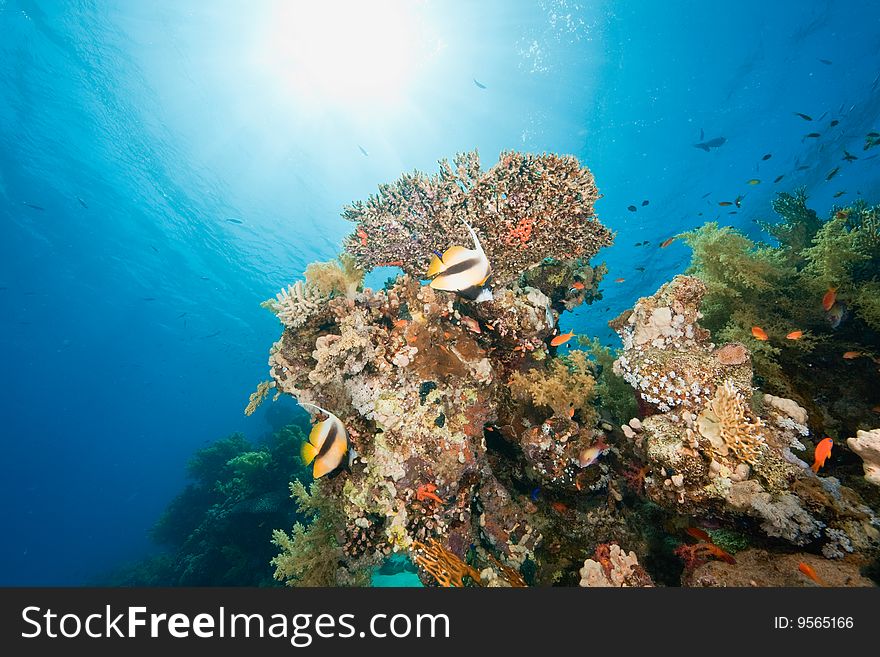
x: 719, y: 554
x: 807, y: 570
x: 850, y: 355
x: 759, y: 333
x: 699, y: 534
x: 829, y: 298
x: 619, y: 280
x: 795, y: 335
x: 667, y: 242
x: 577, y: 285
x: 562, y: 338
x: 823, y: 451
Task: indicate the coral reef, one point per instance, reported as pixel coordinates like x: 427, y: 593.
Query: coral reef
x: 710, y: 453
x: 421, y: 377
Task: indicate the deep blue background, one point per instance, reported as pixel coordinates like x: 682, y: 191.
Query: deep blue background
x: 130, y: 326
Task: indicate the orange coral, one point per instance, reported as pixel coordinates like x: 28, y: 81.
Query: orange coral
x: 444, y: 566
x: 427, y: 492
x: 520, y: 235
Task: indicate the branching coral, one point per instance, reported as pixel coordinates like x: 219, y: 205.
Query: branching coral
x: 525, y: 208
x: 258, y: 396
x: 296, y: 304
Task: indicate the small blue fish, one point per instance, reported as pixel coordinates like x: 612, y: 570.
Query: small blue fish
x: 534, y: 494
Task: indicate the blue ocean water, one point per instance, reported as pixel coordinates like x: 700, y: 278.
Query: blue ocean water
x: 165, y: 167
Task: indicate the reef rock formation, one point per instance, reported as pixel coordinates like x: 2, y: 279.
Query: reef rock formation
x: 867, y: 445
x: 612, y: 567
x: 418, y: 377
x: 761, y: 568
x: 714, y: 447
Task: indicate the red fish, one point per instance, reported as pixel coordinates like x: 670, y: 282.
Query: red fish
x: 759, y: 333
x: 829, y: 298
x: 795, y: 335
x: 699, y: 534
x: 850, y: 355
x: 719, y: 554
x: 807, y: 570
x: 577, y: 285
x: 559, y: 507
x: 667, y: 242
x: 619, y: 280
x: 561, y: 339
x: 823, y: 451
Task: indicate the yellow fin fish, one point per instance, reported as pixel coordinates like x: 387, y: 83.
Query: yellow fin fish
x: 461, y: 270
x: 327, y: 443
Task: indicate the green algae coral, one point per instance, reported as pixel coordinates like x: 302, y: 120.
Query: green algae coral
x: 525, y: 208
x: 799, y: 223
x: 310, y: 555
x: 566, y: 384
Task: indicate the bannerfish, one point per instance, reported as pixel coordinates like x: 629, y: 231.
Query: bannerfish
x: 717, y: 142
x: 823, y: 451
x: 461, y: 270
x: 327, y: 443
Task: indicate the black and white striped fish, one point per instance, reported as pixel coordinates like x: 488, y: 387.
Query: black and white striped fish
x: 461, y: 270
x: 327, y: 444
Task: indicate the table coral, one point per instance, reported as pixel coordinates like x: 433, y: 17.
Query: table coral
x: 525, y: 208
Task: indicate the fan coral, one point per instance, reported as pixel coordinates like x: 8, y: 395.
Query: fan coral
x: 525, y: 208
x: 444, y: 566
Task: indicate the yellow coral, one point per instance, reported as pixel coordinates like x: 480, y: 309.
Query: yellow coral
x: 340, y: 276
x: 567, y: 384
x: 444, y: 566
x: 258, y: 396
x: 729, y: 426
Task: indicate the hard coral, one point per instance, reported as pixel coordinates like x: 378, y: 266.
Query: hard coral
x: 444, y: 566
x: 525, y: 208
x: 612, y: 567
